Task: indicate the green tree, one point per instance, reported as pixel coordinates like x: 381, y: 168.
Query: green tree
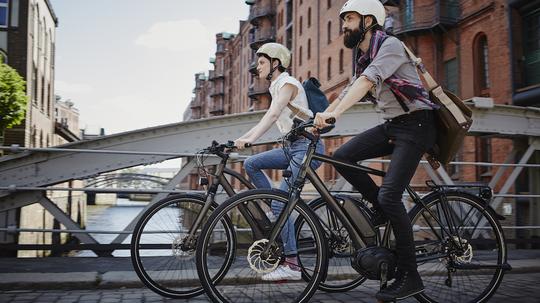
x: 13, y: 99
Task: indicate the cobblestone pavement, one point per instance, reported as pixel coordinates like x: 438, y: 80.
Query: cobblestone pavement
x: 522, y: 288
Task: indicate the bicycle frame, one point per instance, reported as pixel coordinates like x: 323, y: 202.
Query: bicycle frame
x: 253, y: 214
x: 357, y: 235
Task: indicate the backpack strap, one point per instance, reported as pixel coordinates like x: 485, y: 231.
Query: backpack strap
x: 297, y: 112
x: 436, y: 89
x: 418, y: 63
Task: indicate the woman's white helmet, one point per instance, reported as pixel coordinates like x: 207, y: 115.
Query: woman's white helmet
x: 364, y: 8
x: 276, y: 51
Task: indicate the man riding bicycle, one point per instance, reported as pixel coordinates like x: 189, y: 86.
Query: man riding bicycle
x: 386, y: 76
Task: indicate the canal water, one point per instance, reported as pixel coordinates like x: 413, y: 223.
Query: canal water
x: 111, y: 218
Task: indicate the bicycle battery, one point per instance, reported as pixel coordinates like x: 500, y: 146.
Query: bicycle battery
x: 360, y: 216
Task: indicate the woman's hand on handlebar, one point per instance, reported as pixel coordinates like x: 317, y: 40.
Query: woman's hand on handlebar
x: 324, y: 119
x: 242, y: 143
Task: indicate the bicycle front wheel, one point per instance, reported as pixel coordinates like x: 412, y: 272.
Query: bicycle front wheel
x: 161, y: 257
x: 256, y: 275
x: 460, y: 248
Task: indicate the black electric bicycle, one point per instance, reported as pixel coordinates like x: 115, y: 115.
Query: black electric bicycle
x: 164, y: 240
x: 460, y: 246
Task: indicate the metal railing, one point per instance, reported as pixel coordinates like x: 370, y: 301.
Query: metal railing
x: 413, y: 18
x: 234, y: 156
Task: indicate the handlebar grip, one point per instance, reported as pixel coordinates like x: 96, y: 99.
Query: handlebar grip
x: 330, y: 120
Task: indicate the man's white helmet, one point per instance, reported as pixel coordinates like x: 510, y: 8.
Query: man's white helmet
x: 276, y: 51
x: 365, y: 7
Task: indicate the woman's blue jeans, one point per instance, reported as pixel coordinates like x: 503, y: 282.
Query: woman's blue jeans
x: 276, y: 159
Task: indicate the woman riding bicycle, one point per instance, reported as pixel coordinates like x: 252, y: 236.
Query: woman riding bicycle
x: 386, y: 76
x: 288, y: 101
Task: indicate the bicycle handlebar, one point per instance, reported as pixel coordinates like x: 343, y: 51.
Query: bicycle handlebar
x: 300, y: 129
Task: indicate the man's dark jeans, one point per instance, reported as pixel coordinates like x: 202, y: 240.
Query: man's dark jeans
x: 406, y: 138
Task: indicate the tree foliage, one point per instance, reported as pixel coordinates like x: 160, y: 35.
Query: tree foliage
x: 13, y: 97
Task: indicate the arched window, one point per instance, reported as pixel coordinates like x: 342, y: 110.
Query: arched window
x: 300, y: 26
x: 329, y: 68
x: 309, y: 74
x: 481, y: 66
x: 300, y: 56
x: 309, y: 17
x: 329, y: 32
x: 328, y: 3
x: 309, y: 49
x: 341, y: 61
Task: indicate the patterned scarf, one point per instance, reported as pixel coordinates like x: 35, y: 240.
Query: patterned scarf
x: 406, y: 92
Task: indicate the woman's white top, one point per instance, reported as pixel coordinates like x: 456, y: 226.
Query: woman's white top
x: 285, y: 120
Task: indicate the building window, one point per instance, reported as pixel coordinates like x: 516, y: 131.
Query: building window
x: 329, y: 32
x: 481, y: 66
x: 451, y: 75
x: 289, y: 12
x: 328, y: 3
x: 34, y: 86
x: 531, y: 48
x: 341, y: 61
x: 340, y: 26
x: 308, y: 74
x: 409, y: 13
x: 309, y: 49
x: 301, y: 25
x: 42, y: 103
x: 309, y: 17
x: 300, y: 56
x: 289, y: 38
x: 4, y: 13
x: 329, y: 68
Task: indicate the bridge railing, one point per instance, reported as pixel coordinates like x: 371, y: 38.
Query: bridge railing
x: 440, y: 176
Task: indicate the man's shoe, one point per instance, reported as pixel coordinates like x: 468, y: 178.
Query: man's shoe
x: 407, y: 283
x: 378, y: 218
x: 283, y: 272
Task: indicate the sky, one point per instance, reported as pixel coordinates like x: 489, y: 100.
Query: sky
x: 130, y: 64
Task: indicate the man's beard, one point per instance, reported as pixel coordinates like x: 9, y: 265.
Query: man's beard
x: 352, y: 38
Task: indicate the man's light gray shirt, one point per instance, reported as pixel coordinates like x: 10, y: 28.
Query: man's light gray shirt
x: 390, y: 60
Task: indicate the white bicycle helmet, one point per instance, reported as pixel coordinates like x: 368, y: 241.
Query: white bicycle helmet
x: 276, y: 51
x: 365, y: 8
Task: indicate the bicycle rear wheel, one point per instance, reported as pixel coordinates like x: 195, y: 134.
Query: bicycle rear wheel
x: 460, y: 248
x: 160, y: 257
x: 243, y: 282
x: 341, y: 276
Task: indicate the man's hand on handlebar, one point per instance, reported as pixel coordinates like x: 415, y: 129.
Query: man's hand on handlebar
x: 324, y: 119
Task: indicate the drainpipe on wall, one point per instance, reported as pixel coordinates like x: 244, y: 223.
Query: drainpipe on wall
x: 318, y: 39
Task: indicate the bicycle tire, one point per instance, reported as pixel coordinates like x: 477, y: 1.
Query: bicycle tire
x: 488, y: 254
x: 151, y: 269
x: 252, y: 283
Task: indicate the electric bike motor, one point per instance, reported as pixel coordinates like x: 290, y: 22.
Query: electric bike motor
x: 375, y: 263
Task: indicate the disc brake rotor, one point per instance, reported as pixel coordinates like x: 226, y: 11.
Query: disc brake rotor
x: 261, y: 264
x: 179, y: 252
x: 467, y: 254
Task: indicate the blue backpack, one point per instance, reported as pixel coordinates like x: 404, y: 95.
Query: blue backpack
x: 316, y: 98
